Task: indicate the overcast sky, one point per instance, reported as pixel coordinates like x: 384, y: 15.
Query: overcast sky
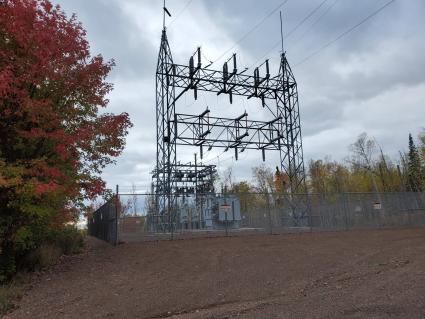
x: 372, y: 80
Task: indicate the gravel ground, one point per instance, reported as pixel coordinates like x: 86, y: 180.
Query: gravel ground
x: 355, y: 274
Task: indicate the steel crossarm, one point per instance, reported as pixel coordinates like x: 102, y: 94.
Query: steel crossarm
x: 214, y: 81
x: 228, y: 133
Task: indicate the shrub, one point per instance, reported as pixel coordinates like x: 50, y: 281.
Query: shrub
x: 8, y: 293
x: 39, y: 248
x: 7, y: 263
x: 69, y: 239
x: 61, y: 241
x: 44, y: 256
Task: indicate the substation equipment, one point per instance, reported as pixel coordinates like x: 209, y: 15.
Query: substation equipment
x: 176, y: 183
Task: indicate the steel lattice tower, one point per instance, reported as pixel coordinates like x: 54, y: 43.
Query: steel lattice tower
x: 291, y: 156
x: 278, y: 95
x: 165, y: 150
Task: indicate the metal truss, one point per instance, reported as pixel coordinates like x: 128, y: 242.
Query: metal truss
x: 223, y: 82
x: 165, y: 201
x: 291, y: 156
x: 238, y: 133
x: 279, y: 98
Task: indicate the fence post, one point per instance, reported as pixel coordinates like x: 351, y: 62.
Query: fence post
x: 226, y: 225
x: 227, y: 231
x: 116, y: 214
x: 309, y: 210
x: 344, y: 200
x: 269, y: 213
x: 409, y: 215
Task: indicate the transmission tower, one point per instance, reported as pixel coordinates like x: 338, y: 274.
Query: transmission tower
x: 278, y: 95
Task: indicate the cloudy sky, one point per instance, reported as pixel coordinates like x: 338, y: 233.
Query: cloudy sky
x: 371, y: 80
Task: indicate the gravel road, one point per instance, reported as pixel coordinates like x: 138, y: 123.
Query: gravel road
x: 354, y: 274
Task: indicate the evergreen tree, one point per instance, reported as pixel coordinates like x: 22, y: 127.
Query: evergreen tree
x: 414, y: 169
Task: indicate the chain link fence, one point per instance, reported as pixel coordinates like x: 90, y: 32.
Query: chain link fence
x: 212, y: 215
x: 103, y: 223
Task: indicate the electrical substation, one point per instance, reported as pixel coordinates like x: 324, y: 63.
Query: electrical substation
x: 256, y: 109
x: 184, y: 192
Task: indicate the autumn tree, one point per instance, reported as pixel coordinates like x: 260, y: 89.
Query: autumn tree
x: 281, y: 181
x: 390, y: 175
x: 367, y: 169
x: 362, y: 158
x: 318, y: 175
x: 54, y: 139
x: 264, y: 183
x: 328, y: 177
x: 264, y: 179
x: 245, y: 192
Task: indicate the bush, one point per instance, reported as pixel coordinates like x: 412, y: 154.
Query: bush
x: 69, y: 239
x: 35, y: 248
x: 9, y: 293
x: 44, y: 256
x: 58, y: 242
x: 7, y: 263
x: 40, y: 249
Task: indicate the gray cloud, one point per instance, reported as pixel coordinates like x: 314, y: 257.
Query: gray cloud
x: 371, y: 80
x: 114, y: 35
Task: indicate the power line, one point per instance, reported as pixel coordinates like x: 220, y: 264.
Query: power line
x: 180, y: 12
x: 218, y: 158
x: 315, y: 22
x: 305, y: 19
x: 292, y: 31
x: 345, y: 33
x: 268, y: 52
x: 251, y: 30
x: 215, y: 157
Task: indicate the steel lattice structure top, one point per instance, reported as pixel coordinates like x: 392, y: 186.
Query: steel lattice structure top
x: 279, y: 98
x: 204, y: 130
x: 181, y: 76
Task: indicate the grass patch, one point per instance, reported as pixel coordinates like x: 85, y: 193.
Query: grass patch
x: 44, y: 256
x: 56, y: 242
x: 10, y: 293
x: 70, y: 240
x: 66, y: 241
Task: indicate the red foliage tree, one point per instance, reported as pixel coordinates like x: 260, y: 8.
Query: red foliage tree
x: 54, y: 142
x: 281, y: 181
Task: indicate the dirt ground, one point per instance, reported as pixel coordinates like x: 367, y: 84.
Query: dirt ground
x: 355, y: 274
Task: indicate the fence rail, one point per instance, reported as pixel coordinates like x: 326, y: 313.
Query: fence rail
x: 207, y: 215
